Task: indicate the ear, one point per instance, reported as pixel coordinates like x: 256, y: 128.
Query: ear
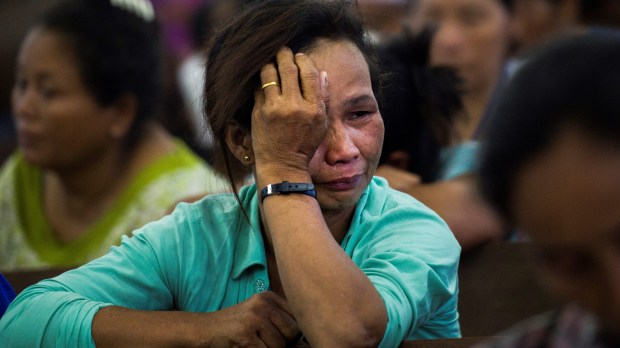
x: 239, y: 141
x: 125, y: 111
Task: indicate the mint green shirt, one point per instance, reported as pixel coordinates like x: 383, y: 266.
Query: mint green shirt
x: 459, y: 159
x: 206, y: 257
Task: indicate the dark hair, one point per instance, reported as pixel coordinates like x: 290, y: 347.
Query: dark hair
x: 251, y: 41
x: 419, y: 104
x: 117, y: 50
x: 205, y: 21
x: 573, y: 81
x: 591, y: 12
x: 508, y: 4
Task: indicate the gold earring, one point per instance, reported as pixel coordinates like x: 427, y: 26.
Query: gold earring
x: 246, y: 158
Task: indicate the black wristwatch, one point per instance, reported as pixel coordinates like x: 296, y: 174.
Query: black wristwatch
x: 285, y: 188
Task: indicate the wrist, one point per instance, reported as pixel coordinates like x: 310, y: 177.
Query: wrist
x: 266, y: 175
x: 286, y: 188
x: 193, y: 330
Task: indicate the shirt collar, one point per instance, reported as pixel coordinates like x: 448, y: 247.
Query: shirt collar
x: 250, y: 250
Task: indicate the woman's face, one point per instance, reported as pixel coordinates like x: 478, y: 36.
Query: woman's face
x: 59, y: 123
x: 346, y: 160
x: 472, y: 37
x: 568, y: 201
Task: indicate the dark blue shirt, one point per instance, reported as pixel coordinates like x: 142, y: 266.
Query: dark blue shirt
x: 6, y: 295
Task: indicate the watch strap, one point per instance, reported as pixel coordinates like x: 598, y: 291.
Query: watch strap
x: 285, y: 188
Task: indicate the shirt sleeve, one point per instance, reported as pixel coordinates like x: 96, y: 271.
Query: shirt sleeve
x: 58, y: 312
x: 411, y: 257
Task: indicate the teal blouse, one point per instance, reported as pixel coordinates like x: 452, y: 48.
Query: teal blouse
x: 206, y: 257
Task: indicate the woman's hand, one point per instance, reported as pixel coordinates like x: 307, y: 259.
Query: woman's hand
x: 263, y: 320
x: 289, y: 119
x: 398, y: 179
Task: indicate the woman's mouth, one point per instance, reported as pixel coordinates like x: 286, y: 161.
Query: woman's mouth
x: 26, y: 139
x: 344, y: 183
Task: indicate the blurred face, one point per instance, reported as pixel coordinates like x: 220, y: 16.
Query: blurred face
x: 472, y: 37
x: 59, y: 123
x: 346, y: 160
x: 533, y: 21
x: 568, y: 201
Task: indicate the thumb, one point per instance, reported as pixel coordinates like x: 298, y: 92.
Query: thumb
x: 324, y: 89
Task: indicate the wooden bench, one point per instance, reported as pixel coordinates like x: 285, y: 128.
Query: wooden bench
x: 499, y: 286
x: 465, y: 342
x: 20, y: 280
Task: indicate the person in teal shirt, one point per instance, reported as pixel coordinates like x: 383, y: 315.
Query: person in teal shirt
x: 316, y: 252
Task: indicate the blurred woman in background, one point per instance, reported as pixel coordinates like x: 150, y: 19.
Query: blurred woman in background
x: 91, y: 165
x: 473, y: 37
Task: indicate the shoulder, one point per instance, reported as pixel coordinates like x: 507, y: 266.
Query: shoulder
x: 186, y: 168
x: 20, y: 190
x: 15, y: 167
x: 200, y: 221
x: 175, y: 177
x: 391, y: 219
x: 381, y: 203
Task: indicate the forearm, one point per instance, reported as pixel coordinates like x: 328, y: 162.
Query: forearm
x: 322, y: 284
x: 471, y: 220
x: 122, y: 327
x: 46, y: 316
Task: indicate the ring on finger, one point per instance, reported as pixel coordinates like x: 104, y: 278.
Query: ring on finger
x: 272, y: 83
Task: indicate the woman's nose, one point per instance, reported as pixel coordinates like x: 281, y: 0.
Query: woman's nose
x: 340, y: 144
x: 448, y: 40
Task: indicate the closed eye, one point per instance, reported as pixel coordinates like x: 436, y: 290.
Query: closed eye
x: 20, y: 82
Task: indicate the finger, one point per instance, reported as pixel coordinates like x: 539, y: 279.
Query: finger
x: 258, y: 342
x: 286, y: 325
x: 309, y: 76
x: 270, y: 82
x: 282, y: 317
x: 259, y: 101
x: 270, y: 335
x: 278, y: 301
x: 289, y: 72
x: 324, y: 90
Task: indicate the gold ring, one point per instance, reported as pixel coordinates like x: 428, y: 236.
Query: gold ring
x: 272, y: 83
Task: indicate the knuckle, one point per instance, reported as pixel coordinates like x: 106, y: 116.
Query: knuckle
x: 310, y: 74
x: 260, y: 299
x: 289, y: 69
x: 266, y: 72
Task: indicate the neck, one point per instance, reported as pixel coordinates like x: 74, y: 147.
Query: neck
x: 103, y: 174
x: 83, y: 190
x: 338, y: 222
x: 78, y: 196
x: 475, y: 102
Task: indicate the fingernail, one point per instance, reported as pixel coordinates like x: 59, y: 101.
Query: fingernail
x: 298, y: 54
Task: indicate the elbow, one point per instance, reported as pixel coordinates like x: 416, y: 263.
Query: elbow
x: 356, y: 334
x: 367, y: 337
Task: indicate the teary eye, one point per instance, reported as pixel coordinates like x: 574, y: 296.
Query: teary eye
x: 361, y: 113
